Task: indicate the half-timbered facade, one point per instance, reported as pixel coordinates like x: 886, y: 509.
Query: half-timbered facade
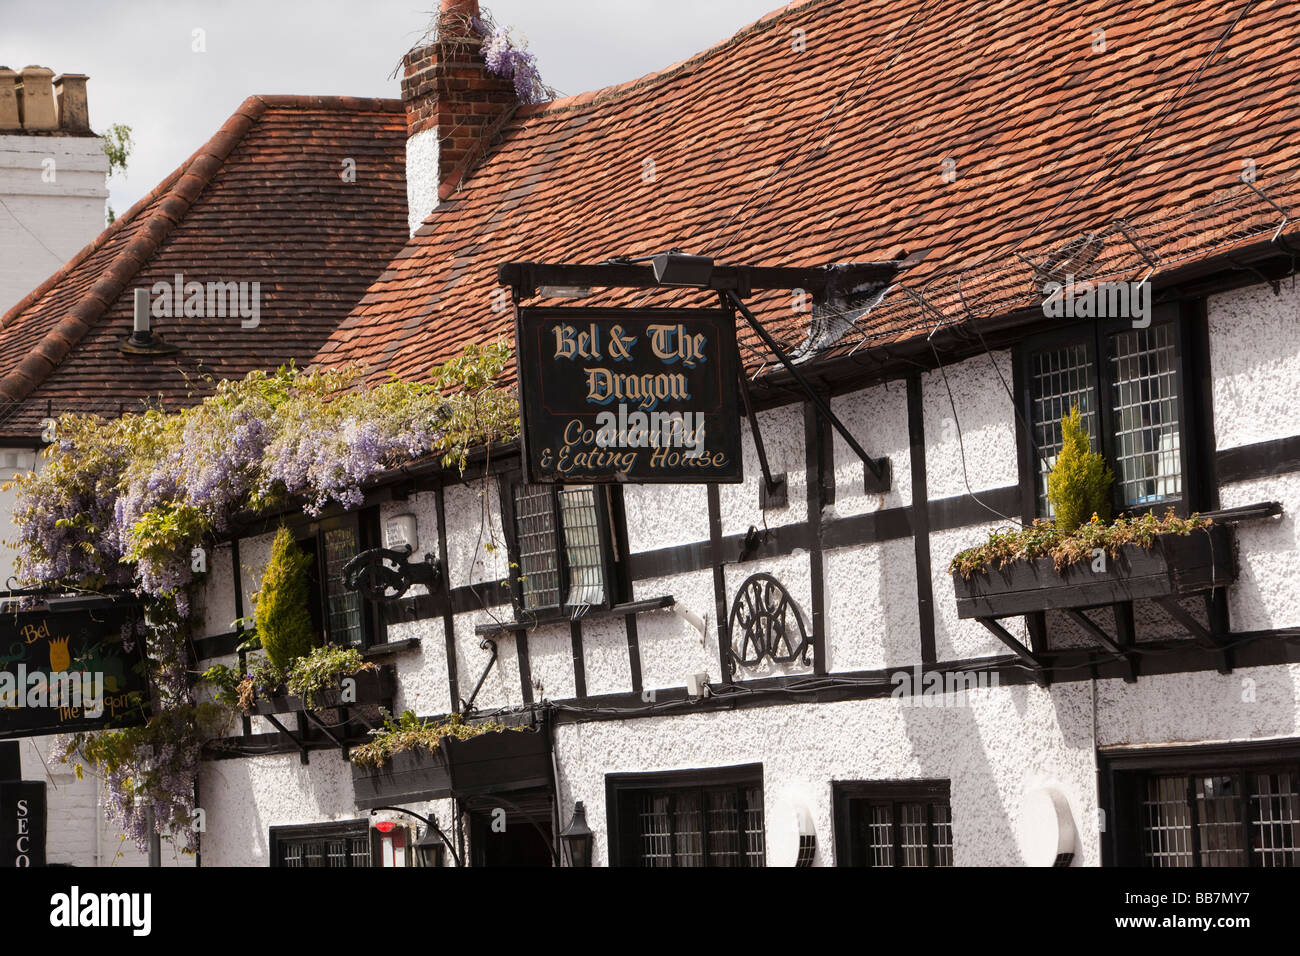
x: 898, y: 720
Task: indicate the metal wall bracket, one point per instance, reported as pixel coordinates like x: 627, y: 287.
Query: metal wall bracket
x: 875, y: 468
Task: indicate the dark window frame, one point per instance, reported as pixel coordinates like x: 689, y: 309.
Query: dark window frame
x: 1124, y: 772
x: 847, y: 795
x: 620, y: 788
x: 283, y: 836
x: 1197, y: 493
x: 311, y: 537
x: 612, y: 538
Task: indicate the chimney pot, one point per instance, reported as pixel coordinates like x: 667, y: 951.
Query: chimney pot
x: 36, y: 99
x: 70, y: 93
x: 9, y: 100
x: 459, y: 8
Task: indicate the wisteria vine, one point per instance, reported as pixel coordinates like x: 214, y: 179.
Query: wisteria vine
x: 122, y: 504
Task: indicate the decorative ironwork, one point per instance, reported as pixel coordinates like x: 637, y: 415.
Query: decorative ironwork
x: 381, y: 574
x: 766, y: 623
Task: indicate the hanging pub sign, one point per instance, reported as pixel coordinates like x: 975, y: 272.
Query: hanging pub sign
x: 22, y: 824
x: 71, y: 670
x: 629, y: 395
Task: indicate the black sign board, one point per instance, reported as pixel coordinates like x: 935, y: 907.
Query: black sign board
x: 629, y: 395
x: 67, y: 671
x: 22, y: 824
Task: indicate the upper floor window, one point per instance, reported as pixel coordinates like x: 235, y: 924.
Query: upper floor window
x: 1129, y: 386
x: 565, y: 545
x: 341, y: 616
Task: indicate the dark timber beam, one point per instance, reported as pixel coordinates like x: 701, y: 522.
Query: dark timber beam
x: 1104, y: 639
x: 1196, y: 629
x: 1022, y: 652
x: 819, y: 281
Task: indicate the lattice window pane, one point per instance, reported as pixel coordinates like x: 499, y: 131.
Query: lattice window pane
x: 724, y: 827
x: 361, y: 851
x: 581, y: 513
x: 721, y: 826
x: 291, y: 855
x: 688, y: 829
x: 539, y: 564
x: 1167, y: 823
x: 755, y: 841
x: 656, y: 830
x: 1144, y: 393
x: 344, y: 626
x: 1220, y: 827
x: 941, y: 816
x: 1059, y: 378
x: 880, y: 835
x: 1275, y: 810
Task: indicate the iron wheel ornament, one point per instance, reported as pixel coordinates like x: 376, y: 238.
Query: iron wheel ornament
x: 766, y: 623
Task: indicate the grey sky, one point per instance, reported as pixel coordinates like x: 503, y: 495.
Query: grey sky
x: 144, y: 73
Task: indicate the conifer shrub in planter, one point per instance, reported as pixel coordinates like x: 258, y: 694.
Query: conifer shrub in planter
x: 281, y: 604
x: 413, y: 760
x: 1076, y: 561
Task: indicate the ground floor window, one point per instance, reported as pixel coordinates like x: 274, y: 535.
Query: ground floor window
x: 690, y: 818
x: 1203, y: 807
x: 345, y: 844
x: 893, y: 823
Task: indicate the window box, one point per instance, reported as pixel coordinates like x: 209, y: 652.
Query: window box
x: 1175, y: 566
x: 373, y: 687
x: 489, y: 763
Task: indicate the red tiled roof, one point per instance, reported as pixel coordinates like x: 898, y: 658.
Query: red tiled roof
x: 763, y: 154
x: 262, y: 201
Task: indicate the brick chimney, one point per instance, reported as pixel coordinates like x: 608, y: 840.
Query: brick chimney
x: 454, y: 105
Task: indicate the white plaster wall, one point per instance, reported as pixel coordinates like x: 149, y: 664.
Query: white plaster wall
x: 1255, y: 358
x: 550, y: 661
x: 877, y: 418
x: 871, y: 610
x: 987, y: 427
x: 64, y: 214
x: 782, y: 430
x: 244, y: 798
x: 604, y: 654
x: 954, y: 638
x: 217, y: 613
x: 663, y: 516
x: 1266, y: 594
x: 421, y: 177
x: 13, y: 461
x: 501, y: 687
x: 476, y: 547
x: 254, y: 555
x: 672, y: 649
x: 1004, y: 741
x: 1251, y: 703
